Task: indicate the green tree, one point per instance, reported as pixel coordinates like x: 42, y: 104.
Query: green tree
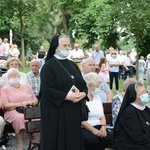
x: 135, y: 17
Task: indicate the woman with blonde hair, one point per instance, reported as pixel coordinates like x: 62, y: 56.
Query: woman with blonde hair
x: 14, y: 63
x: 94, y: 129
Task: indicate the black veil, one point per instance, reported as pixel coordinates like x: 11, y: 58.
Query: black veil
x: 130, y: 96
x: 52, y: 48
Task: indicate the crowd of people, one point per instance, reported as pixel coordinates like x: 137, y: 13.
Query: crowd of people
x: 49, y: 84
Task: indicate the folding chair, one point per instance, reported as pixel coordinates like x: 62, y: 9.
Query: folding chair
x: 32, y: 126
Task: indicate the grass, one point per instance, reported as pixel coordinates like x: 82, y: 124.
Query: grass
x: 26, y: 70
x: 120, y: 87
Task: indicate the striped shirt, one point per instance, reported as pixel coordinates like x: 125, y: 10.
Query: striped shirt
x: 34, y: 82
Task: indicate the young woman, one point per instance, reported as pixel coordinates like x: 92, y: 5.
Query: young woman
x: 104, y: 69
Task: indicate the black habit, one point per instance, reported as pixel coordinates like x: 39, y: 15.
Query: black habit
x: 60, y: 119
x: 133, y: 129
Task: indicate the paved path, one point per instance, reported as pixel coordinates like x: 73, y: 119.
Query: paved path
x: 12, y: 145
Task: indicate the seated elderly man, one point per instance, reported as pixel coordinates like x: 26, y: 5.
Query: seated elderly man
x: 15, y: 95
x: 88, y: 65
x: 14, y: 63
x: 34, y: 76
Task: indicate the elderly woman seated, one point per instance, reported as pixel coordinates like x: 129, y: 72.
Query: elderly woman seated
x: 94, y: 131
x: 14, y: 63
x: 15, y: 95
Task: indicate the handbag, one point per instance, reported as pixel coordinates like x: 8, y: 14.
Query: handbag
x: 20, y: 109
x: 84, y: 110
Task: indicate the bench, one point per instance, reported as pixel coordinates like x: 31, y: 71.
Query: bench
x: 108, y: 115
x: 32, y: 126
x: 108, y: 112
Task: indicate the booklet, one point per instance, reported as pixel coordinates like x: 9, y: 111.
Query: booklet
x: 73, y: 89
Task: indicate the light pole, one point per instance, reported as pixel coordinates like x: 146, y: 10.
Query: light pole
x: 10, y: 35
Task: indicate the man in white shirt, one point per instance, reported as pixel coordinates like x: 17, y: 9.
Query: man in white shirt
x: 108, y: 56
x: 76, y: 53
x: 5, y: 42
x: 121, y: 60
x: 2, y: 48
x: 147, y: 68
x: 128, y: 66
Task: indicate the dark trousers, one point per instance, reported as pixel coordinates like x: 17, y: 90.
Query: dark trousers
x: 116, y: 76
x: 126, y: 72
x: 92, y: 142
x: 120, y: 72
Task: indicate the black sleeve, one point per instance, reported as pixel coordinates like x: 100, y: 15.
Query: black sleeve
x: 48, y: 87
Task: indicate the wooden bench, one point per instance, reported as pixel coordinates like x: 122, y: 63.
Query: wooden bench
x: 32, y: 126
x: 108, y: 115
x: 108, y: 112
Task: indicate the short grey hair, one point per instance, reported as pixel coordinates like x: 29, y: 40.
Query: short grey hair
x: 62, y: 36
x: 36, y: 60
x: 92, y: 78
x: 86, y: 60
x: 137, y: 85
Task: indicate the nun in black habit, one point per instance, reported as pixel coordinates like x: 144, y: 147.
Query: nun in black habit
x: 132, y: 128
x: 60, y: 109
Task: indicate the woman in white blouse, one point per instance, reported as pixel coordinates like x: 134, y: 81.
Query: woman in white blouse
x: 94, y: 129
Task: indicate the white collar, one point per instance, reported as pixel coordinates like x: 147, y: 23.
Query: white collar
x: 59, y: 57
x: 137, y: 106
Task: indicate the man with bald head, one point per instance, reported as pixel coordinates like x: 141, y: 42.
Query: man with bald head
x: 88, y: 65
x: 34, y: 76
x: 76, y: 53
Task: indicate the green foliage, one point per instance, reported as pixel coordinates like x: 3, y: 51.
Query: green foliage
x: 135, y: 17
x: 95, y: 22
x: 92, y: 20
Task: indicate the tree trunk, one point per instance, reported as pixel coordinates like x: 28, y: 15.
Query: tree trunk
x: 137, y: 56
x: 65, y: 21
x: 22, y: 39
